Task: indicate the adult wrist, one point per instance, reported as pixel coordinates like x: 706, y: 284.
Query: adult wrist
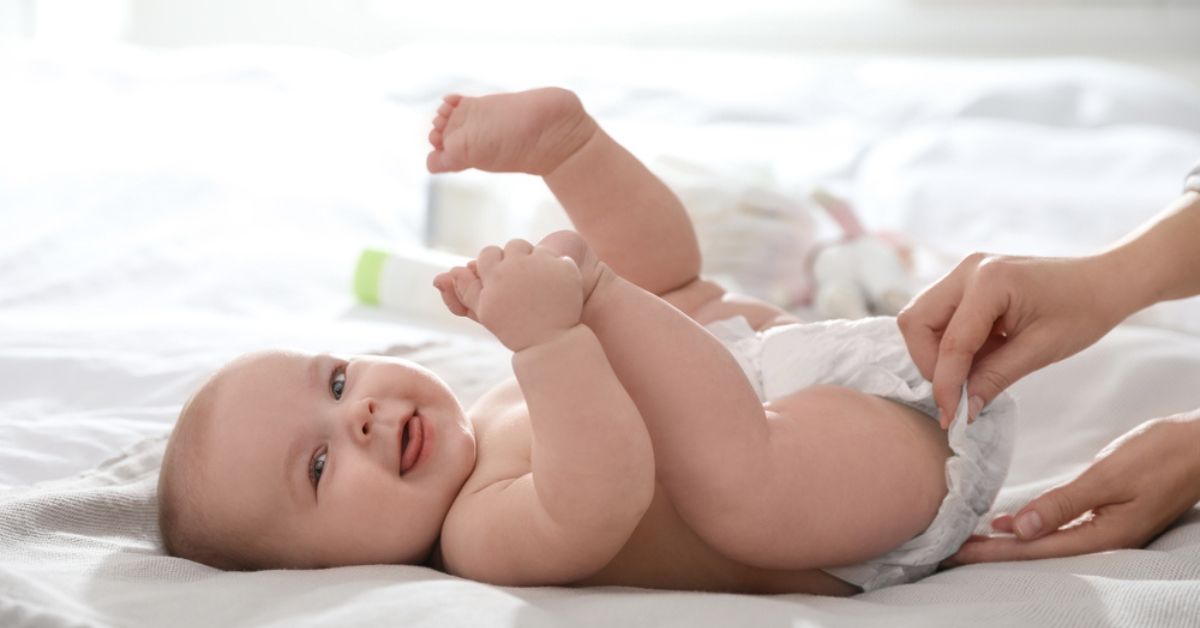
x: 1158, y: 262
x: 1124, y: 281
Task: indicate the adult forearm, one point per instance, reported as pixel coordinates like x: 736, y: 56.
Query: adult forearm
x: 1161, y: 260
x: 593, y: 464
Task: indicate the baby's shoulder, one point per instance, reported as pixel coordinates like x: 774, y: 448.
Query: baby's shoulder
x: 503, y: 437
x: 499, y: 411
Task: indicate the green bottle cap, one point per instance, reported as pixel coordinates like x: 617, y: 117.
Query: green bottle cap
x: 366, y: 276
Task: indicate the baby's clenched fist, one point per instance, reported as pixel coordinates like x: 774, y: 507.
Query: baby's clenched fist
x: 524, y: 295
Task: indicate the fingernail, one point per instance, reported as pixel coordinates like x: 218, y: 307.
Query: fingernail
x: 1029, y: 524
x: 974, y: 405
x: 942, y: 417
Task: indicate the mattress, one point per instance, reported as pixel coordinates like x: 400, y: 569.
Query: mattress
x: 165, y: 212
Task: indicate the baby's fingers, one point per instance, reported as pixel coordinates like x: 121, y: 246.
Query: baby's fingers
x: 445, y: 286
x: 467, y: 287
x: 460, y: 288
x: 488, y: 259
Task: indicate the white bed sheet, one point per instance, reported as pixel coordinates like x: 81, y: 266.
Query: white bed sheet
x: 162, y: 213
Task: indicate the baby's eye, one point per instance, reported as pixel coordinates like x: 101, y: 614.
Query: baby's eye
x: 316, y: 467
x: 337, y: 383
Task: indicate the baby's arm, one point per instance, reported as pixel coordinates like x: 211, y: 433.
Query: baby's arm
x: 592, y: 464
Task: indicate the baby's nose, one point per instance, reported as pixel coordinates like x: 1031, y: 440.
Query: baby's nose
x: 362, y: 417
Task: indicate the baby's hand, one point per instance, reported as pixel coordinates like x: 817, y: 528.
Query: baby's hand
x: 524, y: 295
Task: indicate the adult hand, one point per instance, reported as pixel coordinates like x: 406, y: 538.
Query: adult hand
x: 995, y: 319
x: 1135, y: 488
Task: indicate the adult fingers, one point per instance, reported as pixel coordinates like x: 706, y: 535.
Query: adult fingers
x: 921, y: 335
x: 969, y: 328
x: 1092, y: 535
x: 925, y: 317
x: 997, y: 369
x: 922, y: 321
x: 1063, y: 504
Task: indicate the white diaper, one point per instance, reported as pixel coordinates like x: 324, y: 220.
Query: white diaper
x: 869, y: 355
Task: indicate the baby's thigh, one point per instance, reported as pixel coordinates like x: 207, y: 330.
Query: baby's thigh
x: 844, y: 476
x: 872, y: 470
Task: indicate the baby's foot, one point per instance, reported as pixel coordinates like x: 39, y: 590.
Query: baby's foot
x: 531, y: 132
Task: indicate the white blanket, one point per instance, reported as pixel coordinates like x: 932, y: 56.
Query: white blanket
x: 85, y: 550
x: 162, y: 213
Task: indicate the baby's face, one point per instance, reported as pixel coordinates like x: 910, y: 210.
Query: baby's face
x: 332, y: 462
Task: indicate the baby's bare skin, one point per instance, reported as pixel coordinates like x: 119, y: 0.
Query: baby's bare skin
x: 736, y: 495
x: 630, y: 450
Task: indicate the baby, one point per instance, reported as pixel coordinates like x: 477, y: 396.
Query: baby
x: 660, y: 432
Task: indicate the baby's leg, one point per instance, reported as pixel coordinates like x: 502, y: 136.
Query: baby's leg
x: 855, y: 475
x: 707, y: 425
x: 825, y: 477
x: 633, y: 222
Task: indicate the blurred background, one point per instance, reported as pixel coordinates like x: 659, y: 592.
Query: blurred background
x: 1005, y: 122
x: 1160, y: 33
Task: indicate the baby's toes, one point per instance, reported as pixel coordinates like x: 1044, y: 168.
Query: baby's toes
x: 433, y: 162
x: 449, y: 153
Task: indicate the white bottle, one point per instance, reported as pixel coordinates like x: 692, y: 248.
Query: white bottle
x: 403, y: 282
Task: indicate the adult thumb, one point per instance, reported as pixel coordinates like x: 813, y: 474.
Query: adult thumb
x: 1000, y: 368
x: 1058, y: 507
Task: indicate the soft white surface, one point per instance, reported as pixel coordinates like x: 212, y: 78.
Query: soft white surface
x: 160, y: 214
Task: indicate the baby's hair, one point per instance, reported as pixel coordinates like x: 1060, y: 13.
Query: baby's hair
x: 186, y: 530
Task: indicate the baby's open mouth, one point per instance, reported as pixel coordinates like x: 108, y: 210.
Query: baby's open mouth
x: 411, y: 440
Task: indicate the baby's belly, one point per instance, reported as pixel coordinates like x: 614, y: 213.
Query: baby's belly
x: 664, y: 553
